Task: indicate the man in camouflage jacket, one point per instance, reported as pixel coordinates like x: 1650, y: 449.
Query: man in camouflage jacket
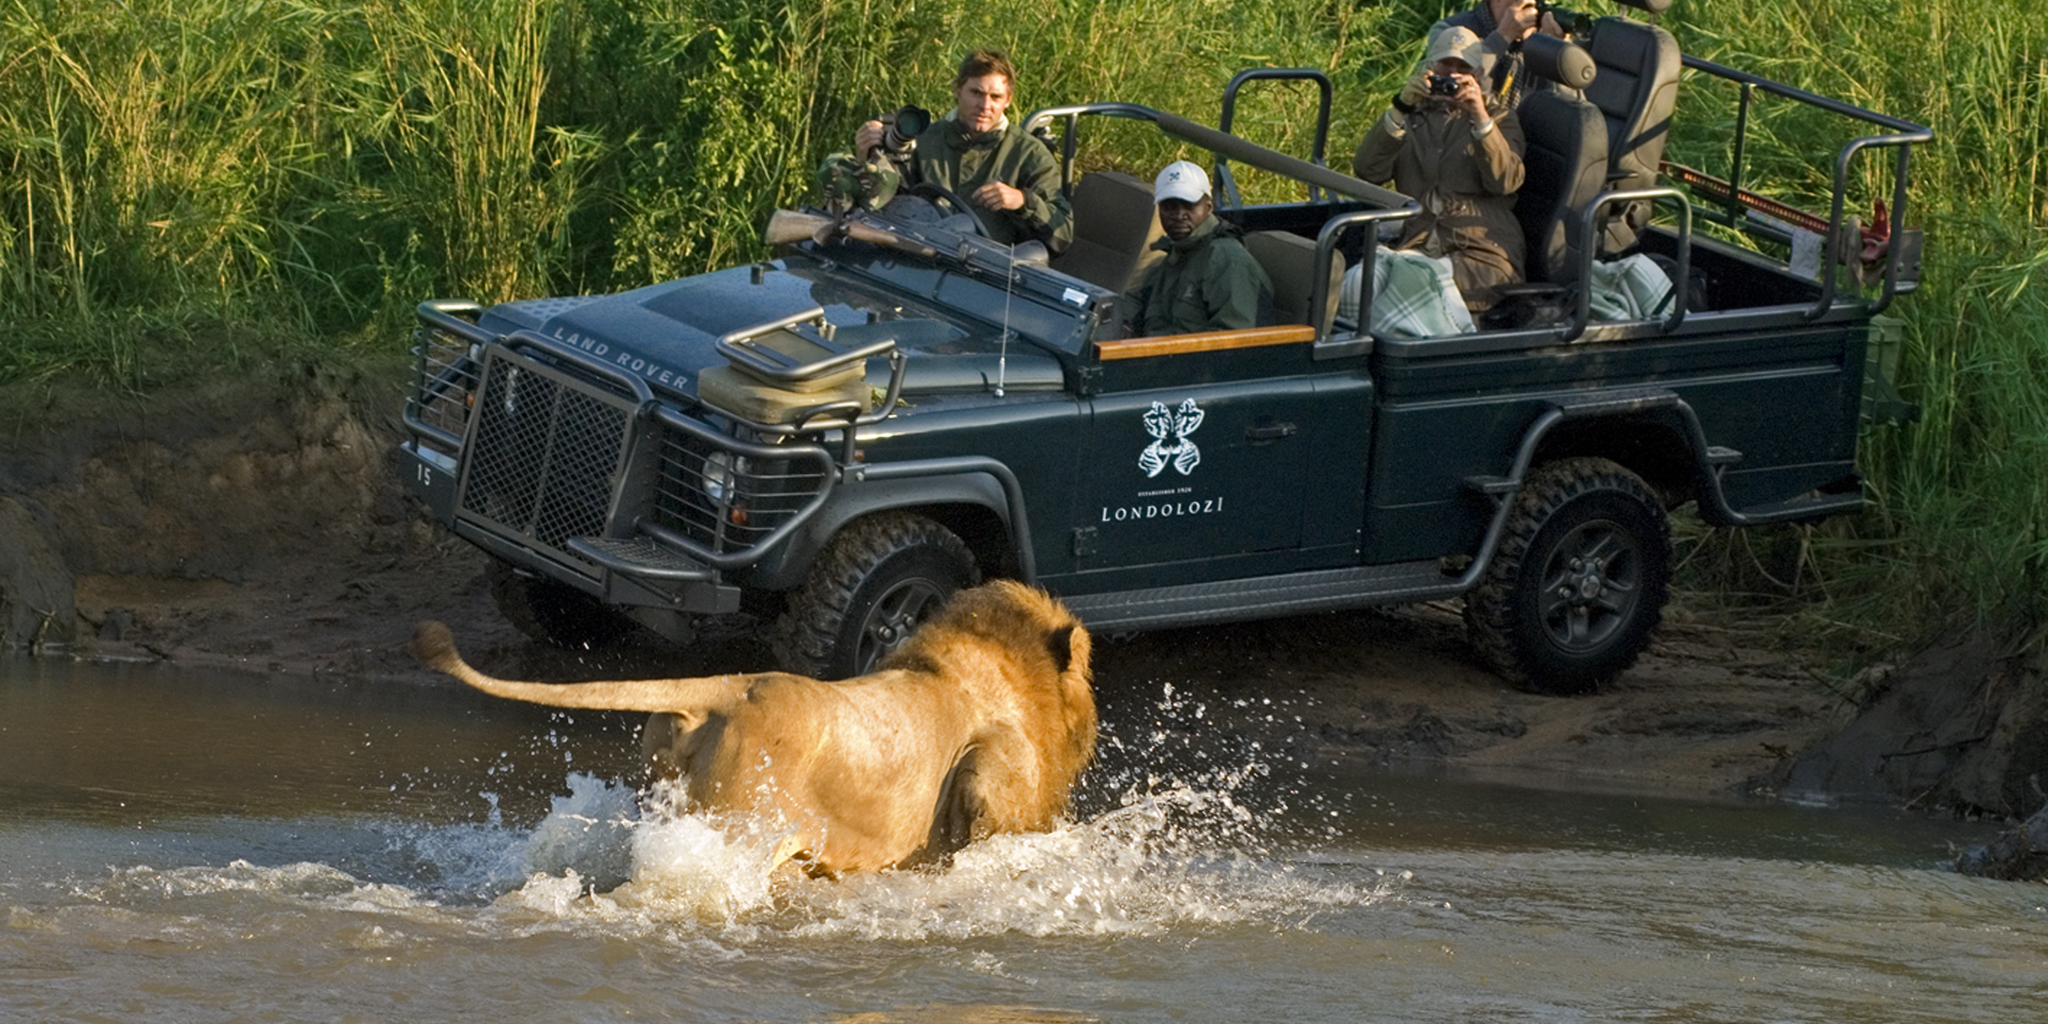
x: 1010, y: 180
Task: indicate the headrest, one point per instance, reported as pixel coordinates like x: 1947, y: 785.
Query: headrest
x: 1559, y: 60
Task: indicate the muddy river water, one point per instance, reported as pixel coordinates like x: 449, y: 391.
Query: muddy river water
x: 181, y: 846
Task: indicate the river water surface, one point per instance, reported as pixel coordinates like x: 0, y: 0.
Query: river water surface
x: 182, y: 846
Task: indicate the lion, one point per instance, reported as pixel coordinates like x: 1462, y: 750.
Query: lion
x: 979, y: 724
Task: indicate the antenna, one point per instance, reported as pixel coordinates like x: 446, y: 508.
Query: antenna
x: 1003, y: 352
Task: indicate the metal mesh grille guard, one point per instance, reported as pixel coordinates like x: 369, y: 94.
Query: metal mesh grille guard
x: 548, y: 450
x: 544, y: 455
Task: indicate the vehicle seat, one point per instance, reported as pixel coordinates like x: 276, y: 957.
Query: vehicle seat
x: 1636, y: 90
x: 1290, y: 261
x: 1565, y: 167
x: 1115, y: 225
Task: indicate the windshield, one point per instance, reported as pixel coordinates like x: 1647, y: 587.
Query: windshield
x: 931, y: 311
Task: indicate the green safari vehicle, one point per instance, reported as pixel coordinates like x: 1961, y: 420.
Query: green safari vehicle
x: 895, y: 407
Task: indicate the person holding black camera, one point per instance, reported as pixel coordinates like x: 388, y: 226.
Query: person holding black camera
x: 1010, y: 180
x: 1458, y: 152
x: 1502, y: 27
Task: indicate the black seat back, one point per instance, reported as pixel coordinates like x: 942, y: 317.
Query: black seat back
x: 1636, y: 90
x: 1565, y: 167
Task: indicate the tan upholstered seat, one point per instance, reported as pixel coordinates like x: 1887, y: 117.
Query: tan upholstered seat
x: 1115, y: 225
x: 1290, y: 261
x: 1636, y: 91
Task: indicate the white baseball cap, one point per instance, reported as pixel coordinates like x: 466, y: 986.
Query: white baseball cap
x: 1181, y: 180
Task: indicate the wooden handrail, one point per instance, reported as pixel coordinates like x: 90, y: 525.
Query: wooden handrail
x: 1206, y: 341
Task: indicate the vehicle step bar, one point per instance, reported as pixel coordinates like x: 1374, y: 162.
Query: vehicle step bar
x: 1265, y: 596
x: 640, y: 556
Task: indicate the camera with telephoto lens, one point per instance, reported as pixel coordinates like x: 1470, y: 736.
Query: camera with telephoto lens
x: 901, y: 129
x: 1442, y: 85
x: 1574, y: 24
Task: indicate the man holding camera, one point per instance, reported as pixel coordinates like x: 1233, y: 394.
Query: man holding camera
x: 1010, y: 180
x: 1502, y: 26
x: 1460, y: 156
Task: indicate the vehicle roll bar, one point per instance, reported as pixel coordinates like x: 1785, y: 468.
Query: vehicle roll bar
x: 1898, y: 133
x: 1226, y: 185
x: 1221, y: 143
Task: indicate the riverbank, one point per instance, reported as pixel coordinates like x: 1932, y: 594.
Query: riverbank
x: 262, y: 526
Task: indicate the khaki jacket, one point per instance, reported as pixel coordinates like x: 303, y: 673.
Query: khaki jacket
x: 949, y: 157
x: 1207, y: 282
x: 1466, y: 186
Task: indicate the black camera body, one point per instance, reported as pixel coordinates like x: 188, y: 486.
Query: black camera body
x: 1442, y: 85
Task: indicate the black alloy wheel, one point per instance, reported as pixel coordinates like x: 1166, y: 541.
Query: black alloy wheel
x: 1579, y: 582
x: 877, y: 580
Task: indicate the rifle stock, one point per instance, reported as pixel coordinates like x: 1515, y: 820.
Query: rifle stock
x: 790, y: 226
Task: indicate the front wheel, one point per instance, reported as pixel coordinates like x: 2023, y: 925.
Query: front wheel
x: 874, y: 584
x: 1580, y: 579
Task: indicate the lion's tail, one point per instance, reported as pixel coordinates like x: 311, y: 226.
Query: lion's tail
x: 436, y: 646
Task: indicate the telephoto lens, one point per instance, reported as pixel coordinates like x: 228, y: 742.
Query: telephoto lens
x: 901, y: 129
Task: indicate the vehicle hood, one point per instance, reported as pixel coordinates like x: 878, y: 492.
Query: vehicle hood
x: 665, y: 332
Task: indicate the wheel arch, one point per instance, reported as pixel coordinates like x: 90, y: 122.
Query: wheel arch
x: 1653, y: 446
x: 972, y: 505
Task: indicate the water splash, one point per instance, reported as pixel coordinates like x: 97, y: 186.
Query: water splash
x: 1179, y: 827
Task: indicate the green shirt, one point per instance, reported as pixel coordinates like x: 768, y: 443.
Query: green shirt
x: 948, y: 156
x: 1207, y: 282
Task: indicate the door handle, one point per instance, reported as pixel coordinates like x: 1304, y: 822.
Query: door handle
x: 1270, y: 431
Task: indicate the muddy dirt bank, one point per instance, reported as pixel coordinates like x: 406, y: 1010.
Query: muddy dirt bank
x: 261, y: 526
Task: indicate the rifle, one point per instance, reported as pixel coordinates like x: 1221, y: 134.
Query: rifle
x: 791, y: 226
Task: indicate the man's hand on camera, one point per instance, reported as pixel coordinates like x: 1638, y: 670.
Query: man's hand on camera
x: 1470, y: 99
x: 868, y: 138
x: 997, y: 196
x: 1415, y: 90
x: 1514, y: 19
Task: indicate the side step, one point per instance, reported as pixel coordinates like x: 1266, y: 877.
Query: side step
x: 1812, y: 507
x: 1264, y: 597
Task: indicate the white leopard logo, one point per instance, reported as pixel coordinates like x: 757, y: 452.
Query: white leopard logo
x: 1170, y: 445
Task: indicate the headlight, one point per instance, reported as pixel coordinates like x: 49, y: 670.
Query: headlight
x: 718, y: 476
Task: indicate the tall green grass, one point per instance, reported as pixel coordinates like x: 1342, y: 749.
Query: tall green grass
x: 1958, y: 532
x: 184, y: 183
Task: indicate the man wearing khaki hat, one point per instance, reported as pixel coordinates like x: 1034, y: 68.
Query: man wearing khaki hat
x: 1208, y: 281
x: 1461, y: 158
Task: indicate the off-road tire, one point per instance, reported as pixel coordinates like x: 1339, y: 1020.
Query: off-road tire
x: 1579, y: 581
x: 875, y: 582
x: 555, y: 613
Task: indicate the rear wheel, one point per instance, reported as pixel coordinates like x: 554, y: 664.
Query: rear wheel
x: 555, y: 613
x: 1579, y: 581
x: 874, y: 584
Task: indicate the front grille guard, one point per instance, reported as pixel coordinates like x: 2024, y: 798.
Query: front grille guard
x: 445, y: 350
x: 561, y: 462
x: 765, y: 491
x: 544, y: 452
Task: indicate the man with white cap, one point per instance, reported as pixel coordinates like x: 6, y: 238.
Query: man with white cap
x: 1208, y: 281
x: 1461, y: 158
